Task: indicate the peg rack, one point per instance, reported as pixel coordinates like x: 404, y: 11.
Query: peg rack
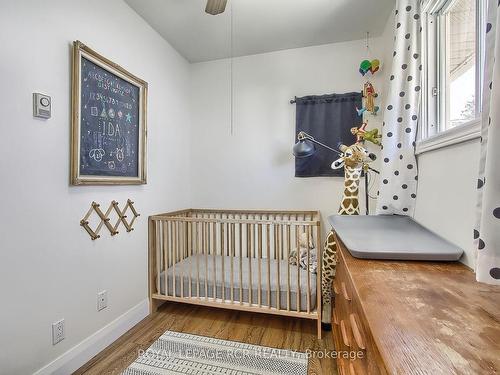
x: 105, y: 219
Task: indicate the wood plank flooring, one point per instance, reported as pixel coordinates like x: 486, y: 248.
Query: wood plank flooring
x: 252, y: 328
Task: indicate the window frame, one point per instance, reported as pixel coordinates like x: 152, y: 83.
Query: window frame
x: 434, y: 132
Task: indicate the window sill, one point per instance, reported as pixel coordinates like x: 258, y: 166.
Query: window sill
x: 459, y: 134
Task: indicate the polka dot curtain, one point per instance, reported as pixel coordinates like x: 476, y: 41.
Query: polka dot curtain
x: 398, y: 188
x: 487, y: 231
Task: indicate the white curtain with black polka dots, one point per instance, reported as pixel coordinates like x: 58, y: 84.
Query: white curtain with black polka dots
x: 398, y: 187
x: 487, y: 231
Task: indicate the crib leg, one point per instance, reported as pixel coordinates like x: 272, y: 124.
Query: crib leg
x: 154, y: 305
x: 319, y: 328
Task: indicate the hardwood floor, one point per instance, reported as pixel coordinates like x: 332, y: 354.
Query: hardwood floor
x: 252, y: 328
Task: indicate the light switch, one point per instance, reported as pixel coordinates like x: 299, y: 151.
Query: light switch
x: 41, y: 105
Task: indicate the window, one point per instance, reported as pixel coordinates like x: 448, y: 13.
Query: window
x: 459, y: 75
x: 453, y: 48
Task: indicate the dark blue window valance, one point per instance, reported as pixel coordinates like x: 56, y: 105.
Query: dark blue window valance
x: 329, y: 119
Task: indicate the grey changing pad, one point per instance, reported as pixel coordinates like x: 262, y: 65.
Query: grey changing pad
x: 392, y: 237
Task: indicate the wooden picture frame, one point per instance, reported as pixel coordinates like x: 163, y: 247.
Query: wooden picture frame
x: 109, y: 133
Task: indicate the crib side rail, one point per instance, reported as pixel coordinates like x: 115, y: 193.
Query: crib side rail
x: 207, y: 256
x: 236, y: 219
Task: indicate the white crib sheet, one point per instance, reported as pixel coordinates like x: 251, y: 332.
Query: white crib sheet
x: 197, y: 264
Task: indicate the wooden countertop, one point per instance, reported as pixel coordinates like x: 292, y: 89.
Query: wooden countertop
x: 428, y: 317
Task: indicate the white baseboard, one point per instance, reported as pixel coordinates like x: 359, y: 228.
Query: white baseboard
x: 81, y: 353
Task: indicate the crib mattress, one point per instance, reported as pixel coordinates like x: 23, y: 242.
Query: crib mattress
x: 197, y: 263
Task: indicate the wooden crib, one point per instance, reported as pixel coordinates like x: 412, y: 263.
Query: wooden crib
x: 236, y: 260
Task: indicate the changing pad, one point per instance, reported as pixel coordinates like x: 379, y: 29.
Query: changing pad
x: 392, y: 237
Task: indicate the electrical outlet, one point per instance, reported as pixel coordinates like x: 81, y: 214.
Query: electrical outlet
x: 102, y: 300
x: 58, y: 332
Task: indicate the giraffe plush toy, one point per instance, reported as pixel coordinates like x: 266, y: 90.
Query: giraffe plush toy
x: 353, y: 158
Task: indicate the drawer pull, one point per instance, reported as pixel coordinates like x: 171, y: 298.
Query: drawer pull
x: 351, y: 369
x: 344, y: 292
x: 356, y: 332
x: 340, y: 364
x: 344, y: 333
x: 335, y: 288
x: 334, y: 315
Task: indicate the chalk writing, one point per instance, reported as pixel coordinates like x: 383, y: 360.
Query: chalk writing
x: 109, y: 127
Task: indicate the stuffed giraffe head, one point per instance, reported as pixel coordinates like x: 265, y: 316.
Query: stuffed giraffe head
x: 353, y: 157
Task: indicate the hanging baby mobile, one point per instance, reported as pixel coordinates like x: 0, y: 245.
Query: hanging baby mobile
x: 355, y: 161
x: 368, y: 68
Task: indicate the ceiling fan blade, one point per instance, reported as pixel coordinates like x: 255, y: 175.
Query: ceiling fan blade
x: 215, y: 7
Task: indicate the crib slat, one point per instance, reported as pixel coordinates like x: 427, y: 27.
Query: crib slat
x: 277, y: 244
x: 308, y: 273
x: 184, y: 238
x: 177, y: 256
x: 165, y: 255
x: 240, y: 261
x: 174, y: 257
x: 297, y: 246
x: 249, y: 252
x: 228, y: 254
x: 318, y: 274
x: 199, y: 252
x: 288, y: 242
x: 259, y: 264
x: 222, y: 261
x: 214, y: 247
x: 179, y: 250
x: 180, y: 256
x: 206, y: 249
x: 269, y: 266
x: 275, y: 248
x: 198, y: 241
x: 158, y: 255
x: 282, y: 240
x: 190, y: 250
x: 232, y: 266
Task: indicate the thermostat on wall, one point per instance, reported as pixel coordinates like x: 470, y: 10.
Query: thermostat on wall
x: 41, y: 105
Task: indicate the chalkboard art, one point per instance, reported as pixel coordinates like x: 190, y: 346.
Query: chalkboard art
x: 109, y: 122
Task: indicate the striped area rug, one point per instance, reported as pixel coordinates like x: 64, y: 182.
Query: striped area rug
x: 181, y: 353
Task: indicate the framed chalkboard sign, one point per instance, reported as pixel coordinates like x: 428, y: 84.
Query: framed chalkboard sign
x: 109, y: 122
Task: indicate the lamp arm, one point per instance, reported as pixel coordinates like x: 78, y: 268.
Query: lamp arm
x: 303, y: 135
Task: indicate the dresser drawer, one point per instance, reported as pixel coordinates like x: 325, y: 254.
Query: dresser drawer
x: 342, y: 309
x: 357, y: 367
x: 351, y: 331
x: 342, y: 367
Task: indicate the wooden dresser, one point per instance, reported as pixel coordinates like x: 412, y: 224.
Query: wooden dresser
x: 414, y: 318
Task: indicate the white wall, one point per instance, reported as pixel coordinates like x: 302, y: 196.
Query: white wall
x: 254, y: 167
x: 446, y: 198
x: 49, y: 267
